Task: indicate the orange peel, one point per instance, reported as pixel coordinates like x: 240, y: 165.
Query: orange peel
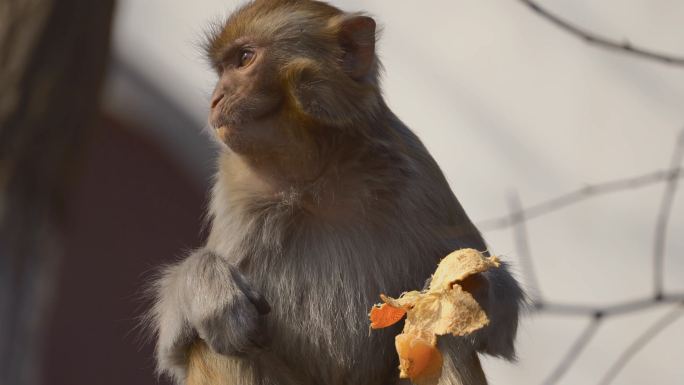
x: 419, y: 359
x: 385, y: 315
x: 444, y: 308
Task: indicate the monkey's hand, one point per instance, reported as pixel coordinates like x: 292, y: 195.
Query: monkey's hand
x: 224, y: 308
x: 205, y: 296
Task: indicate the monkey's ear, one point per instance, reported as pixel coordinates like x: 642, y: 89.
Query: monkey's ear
x: 357, y: 39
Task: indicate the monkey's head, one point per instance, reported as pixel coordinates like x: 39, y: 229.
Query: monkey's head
x: 291, y: 71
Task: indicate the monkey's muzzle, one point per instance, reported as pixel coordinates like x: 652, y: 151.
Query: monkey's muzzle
x: 222, y: 132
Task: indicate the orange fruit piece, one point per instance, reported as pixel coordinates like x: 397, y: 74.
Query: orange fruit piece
x: 419, y: 360
x: 385, y: 315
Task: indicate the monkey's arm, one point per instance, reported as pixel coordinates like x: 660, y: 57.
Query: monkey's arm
x: 205, y: 297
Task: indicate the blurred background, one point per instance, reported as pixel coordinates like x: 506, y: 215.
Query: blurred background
x: 565, y: 153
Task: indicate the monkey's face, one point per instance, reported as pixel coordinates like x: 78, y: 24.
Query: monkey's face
x: 247, y: 95
x: 290, y: 70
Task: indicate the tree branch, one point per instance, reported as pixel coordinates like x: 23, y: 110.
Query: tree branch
x: 575, y: 350
x: 640, y: 342
x: 581, y: 194
x: 600, y: 41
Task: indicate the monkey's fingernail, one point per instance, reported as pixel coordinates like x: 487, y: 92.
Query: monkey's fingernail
x: 262, y: 306
x: 258, y: 300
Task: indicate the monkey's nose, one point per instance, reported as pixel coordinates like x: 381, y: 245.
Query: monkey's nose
x: 216, y: 99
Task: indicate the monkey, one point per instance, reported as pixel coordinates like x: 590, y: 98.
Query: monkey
x: 323, y: 199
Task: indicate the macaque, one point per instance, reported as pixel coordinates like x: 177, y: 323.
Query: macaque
x: 323, y: 199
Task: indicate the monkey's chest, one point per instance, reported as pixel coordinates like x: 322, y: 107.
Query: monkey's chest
x: 320, y: 328
x: 327, y: 341
x: 321, y: 285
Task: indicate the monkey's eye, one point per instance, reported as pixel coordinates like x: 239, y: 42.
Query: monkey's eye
x: 246, y: 57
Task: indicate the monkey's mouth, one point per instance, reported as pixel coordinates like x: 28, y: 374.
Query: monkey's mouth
x: 224, y: 126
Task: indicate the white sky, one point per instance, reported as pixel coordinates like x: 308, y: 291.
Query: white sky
x: 508, y: 103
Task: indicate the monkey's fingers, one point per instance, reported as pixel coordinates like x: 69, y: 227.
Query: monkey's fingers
x: 262, y: 339
x: 256, y: 298
x: 259, y: 302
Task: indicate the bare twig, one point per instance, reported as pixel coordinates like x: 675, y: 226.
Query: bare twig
x: 615, y: 309
x: 581, y: 194
x: 518, y: 218
x: 574, y: 352
x: 640, y: 342
x: 523, y: 249
x: 660, y: 236
x: 594, y: 39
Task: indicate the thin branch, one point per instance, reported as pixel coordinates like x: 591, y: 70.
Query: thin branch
x: 604, y: 42
x: 574, y: 352
x: 660, y: 237
x: 614, y: 309
x: 522, y: 246
x: 518, y: 218
x: 639, y: 343
x: 581, y: 194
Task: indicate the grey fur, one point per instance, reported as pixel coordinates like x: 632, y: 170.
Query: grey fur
x: 378, y: 220
x: 206, y: 297
x: 322, y: 277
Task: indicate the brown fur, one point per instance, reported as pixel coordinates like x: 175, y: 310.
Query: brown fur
x: 323, y: 200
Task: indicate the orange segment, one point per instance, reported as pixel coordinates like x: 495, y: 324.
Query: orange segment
x: 419, y: 360
x: 385, y: 315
